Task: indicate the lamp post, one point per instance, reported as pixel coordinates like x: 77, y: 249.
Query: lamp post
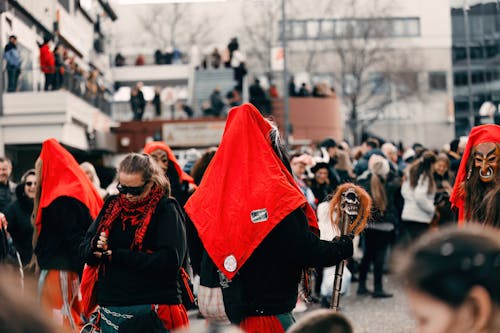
x: 286, y: 106
x: 467, y: 56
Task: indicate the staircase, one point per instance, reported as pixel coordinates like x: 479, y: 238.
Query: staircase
x: 205, y: 81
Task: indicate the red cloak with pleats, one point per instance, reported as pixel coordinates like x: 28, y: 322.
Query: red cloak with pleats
x: 479, y: 134
x: 62, y: 176
x: 155, y: 145
x: 246, y: 191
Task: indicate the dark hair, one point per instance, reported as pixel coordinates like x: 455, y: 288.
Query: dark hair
x: 201, y: 165
x: 323, y: 320
x: 422, y: 167
x: 449, y: 263
x: 144, y: 164
x: 454, y: 145
x: 372, y: 143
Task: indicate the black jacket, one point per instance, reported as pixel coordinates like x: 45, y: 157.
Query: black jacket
x: 270, y: 277
x: 18, y: 215
x: 64, y: 223
x: 146, y: 277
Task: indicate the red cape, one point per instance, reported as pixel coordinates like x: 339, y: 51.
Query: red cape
x: 155, y: 145
x: 62, y: 176
x: 479, y: 134
x: 245, y: 181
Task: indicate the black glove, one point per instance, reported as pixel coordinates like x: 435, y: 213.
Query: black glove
x: 344, y: 246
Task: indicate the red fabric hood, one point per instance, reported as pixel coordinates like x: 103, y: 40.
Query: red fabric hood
x: 479, y: 134
x: 62, y: 176
x: 155, y: 145
x: 245, y: 192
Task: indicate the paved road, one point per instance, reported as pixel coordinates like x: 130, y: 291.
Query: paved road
x: 368, y: 315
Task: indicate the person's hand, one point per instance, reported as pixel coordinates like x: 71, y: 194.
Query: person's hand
x: 344, y: 246
x: 3, y: 221
x: 102, y: 242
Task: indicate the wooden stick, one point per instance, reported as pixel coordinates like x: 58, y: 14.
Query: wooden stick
x: 339, y: 270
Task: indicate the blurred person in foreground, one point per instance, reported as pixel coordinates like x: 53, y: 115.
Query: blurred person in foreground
x: 452, y: 280
x: 19, y: 312
x: 324, y: 321
x: 476, y: 193
x: 65, y: 205
x: 249, y: 203
x: 134, y: 251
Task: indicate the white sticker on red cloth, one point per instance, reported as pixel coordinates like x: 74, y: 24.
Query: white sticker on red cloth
x: 230, y: 263
x: 259, y: 215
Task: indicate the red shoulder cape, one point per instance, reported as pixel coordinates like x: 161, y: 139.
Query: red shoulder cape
x: 478, y: 134
x: 62, y: 176
x: 245, y: 192
x: 155, y: 145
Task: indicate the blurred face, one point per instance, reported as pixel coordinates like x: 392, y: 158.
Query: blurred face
x: 434, y: 316
x: 441, y: 167
x: 90, y: 175
x: 298, y: 168
x: 30, y: 186
x: 161, y: 158
x: 5, y: 171
x: 332, y: 151
x: 132, y: 186
x: 321, y: 176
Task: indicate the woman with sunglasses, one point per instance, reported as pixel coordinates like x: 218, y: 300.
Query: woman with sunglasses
x: 18, y: 215
x: 135, y: 248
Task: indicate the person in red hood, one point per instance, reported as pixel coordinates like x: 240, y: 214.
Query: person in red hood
x: 181, y: 183
x: 476, y: 193
x: 254, y: 229
x: 65, y: 204
x: 48, y: 64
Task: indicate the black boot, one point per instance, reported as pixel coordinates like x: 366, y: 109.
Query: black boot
x: 362, y: 290
x: 380, y: 293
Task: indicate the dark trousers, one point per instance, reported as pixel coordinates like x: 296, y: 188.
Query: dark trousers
x: 12, y: 76
x: 50, y: 81
x: 376, y: 244
x: 412, y: 230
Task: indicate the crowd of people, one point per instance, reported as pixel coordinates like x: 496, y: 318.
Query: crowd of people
x: 251, y: 219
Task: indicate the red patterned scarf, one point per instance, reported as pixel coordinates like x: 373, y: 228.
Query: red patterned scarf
x: 136, y: 213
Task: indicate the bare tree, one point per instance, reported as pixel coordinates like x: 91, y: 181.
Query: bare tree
x: 171, y: 25
x: 373, y: 73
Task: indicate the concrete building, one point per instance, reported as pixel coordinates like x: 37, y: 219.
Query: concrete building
x: 483, y: 42
x: 78, y: 115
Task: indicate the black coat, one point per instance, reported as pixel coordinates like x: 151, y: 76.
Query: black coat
x: 18, y: 215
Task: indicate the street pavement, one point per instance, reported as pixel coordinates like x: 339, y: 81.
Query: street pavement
x: 367, y: 314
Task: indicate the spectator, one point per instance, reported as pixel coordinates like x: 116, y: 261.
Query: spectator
x: 13, y: 59
x: 292, y: 90
x: 215, y: 59
x: 258, y: 97
x: 451, y: 280
x: 47, y: 64
x: 322, y: 320
x: 7, y: 186
x: 18, y: 215
x: 216, y: 103
x: 273, y: 91
x: 119, y: 60
x: 168, y: 56
x: 239, y: 68
x: 157, y: 102
x: 231, y: 47
x: 304, y: 91
x: 233, y: 97
x: 159, y: 59
x: 137, y: 101
x: 186, y: 108
x: 89, y: 170
x: 59, y: 63
x: 140, y: 61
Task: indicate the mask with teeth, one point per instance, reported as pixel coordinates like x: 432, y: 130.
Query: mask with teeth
x: 486, y: 160
x: 349, y: 202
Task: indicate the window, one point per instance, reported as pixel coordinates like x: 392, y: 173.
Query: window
x: 379, y: 84
x: 406, y: 83
x: 312, y: 29
x: 437, y: 81
x: 327, y: 29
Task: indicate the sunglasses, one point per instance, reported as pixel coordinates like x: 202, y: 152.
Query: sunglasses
x: 132, y: 190
x: 30, y: 183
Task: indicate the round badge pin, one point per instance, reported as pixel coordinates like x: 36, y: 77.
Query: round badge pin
x: 230, y: 263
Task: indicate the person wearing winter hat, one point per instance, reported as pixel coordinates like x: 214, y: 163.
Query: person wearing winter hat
x: 380, y: 229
